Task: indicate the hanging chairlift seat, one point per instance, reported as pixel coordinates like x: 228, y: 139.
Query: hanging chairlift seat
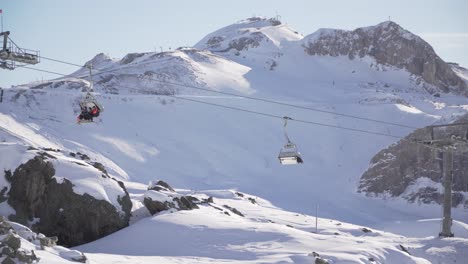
x: 289, y: 155
x: 88, y: 103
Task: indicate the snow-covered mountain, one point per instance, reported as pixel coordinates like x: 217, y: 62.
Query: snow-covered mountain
x: 148, y: 133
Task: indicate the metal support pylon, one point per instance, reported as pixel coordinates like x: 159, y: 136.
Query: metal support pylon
x: 447, y: 202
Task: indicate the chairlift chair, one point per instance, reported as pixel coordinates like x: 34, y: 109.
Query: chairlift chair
x: 89, y: 102
x: 289, y: 155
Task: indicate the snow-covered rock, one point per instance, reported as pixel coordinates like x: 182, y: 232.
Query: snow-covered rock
x: 21, y: 245
x: 414, y: 172
x: 59, y: 195
x: 265, y: 234
x: 160, y: 196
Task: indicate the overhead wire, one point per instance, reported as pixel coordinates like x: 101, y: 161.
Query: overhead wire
x: 251, y: 111
x: 415, y: 141
x: 243, y: 96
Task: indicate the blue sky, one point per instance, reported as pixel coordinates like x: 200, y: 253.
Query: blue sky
x: 75, y: 31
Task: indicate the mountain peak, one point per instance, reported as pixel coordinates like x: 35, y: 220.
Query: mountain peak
x: 260, y: 21
x: 99, y: 59
x: 389, y: 44
x: 249, y: 33
x: 389, y: 29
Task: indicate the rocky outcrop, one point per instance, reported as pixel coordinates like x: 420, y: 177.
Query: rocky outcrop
x: 51, y: 206
x: 414, y: 172
x: 242, y: 40
x: 161, y: 196
x: 389, y: 44
x: 12, y: 250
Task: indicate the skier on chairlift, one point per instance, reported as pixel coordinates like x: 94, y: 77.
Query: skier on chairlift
x: 89, y: 110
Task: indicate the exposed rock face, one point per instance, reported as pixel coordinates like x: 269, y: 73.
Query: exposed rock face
x: 389, y: 44
x: 414, y: 172
x: 246, y: 38
x: 56, y: 210
x: 161, y: 196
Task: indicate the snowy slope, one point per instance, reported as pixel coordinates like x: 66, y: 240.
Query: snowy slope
x: 198, y: 146
x: 185, y: 65
x: 263, y: 234
x: 144, y: 135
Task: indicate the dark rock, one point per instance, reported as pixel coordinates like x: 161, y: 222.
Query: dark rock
x: 185, y: 203
x: 83, y: 156
x: 315, y: 254
x: 8, y: 251
x: 208, y: 200
x: 5, y: 227
x: 390, y: 44
x: 239, y: 194
x: 100, y: 167
x: 371, y: 259
x: 46, y: 155
x: 234, y: 210
x: 426, y: 195
x: 35, y: 193
x: 156, y: 187
x: 8, y: 175
x: 320, y: 261
x: 48, y: 241
x: 404, y: 249
x: 366, y: 230
x: 252, y: 200
x: 26, y: 257
x: 51, y: 149
x: 131, y: 57
x: 394, y: 169
x: 12, y: 241
x: 155, y: 207
x: 8, y: 260
x: 192, y: 199
x: 181, y: 203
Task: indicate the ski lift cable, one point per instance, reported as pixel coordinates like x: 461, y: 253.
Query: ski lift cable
x: 285, y: 118
x: 251, y: 111
x: 61, y: 61
x: 281, y: 117
x: 276, y: 116
x: 98, y: 72
x: 415, y: 141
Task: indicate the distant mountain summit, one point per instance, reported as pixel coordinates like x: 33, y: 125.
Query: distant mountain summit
x: 255, y: 32
x: 222, y: 59
x: 389, y: 44
x: 268, y: 39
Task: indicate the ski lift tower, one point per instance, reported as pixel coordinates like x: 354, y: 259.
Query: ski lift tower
x: 450, y: 139
x: 12, y: 56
